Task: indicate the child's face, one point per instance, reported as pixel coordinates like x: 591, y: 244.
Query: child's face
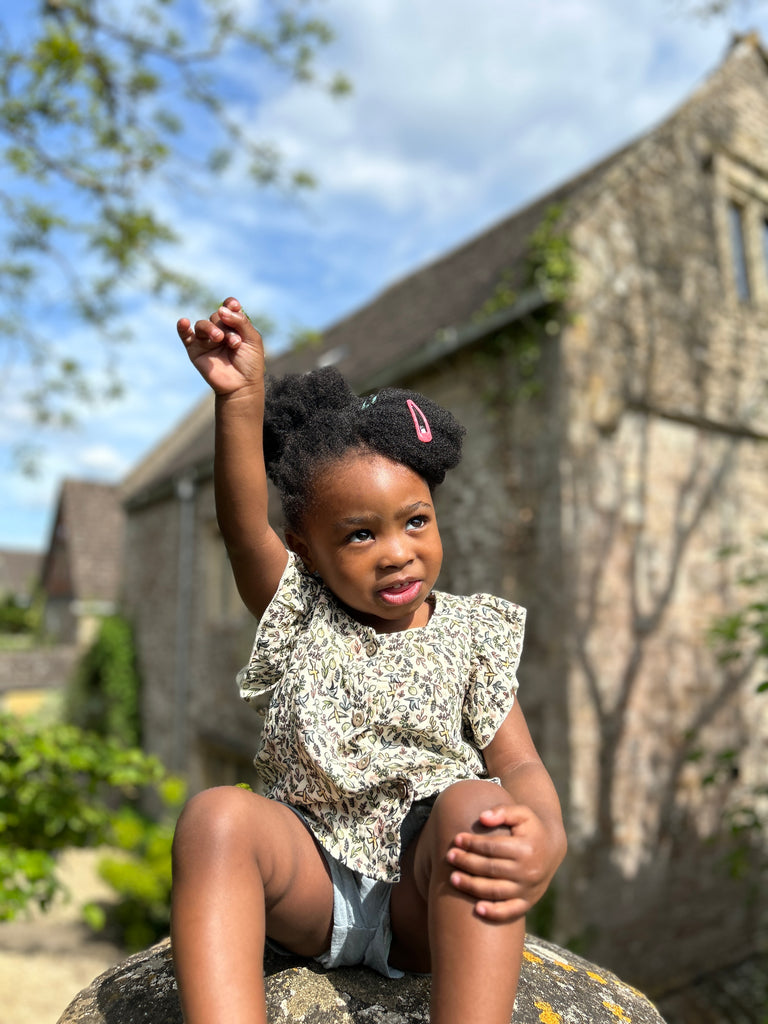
x: 372, y: 536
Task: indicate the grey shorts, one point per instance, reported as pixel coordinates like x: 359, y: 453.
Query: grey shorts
x: 361, y: 928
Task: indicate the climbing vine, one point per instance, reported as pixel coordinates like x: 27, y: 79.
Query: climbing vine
x: 549, y: 268
x: 550, y: 265
x: 103, y: 695
x: 739, y: 639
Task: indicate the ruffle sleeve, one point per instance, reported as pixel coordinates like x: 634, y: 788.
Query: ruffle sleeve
x: 496, y: 630
x: 294, y: 598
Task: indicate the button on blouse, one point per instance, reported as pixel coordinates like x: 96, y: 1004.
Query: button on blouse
x: 360, y: 724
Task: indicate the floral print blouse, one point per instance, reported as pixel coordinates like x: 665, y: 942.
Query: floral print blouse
x: 361, y: 724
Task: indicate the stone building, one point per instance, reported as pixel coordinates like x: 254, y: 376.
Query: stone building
x: 79, y: 576
x: 82, y: 567
x: 19, y: 573
x: 606, y: 349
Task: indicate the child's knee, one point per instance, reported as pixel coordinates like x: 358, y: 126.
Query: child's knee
x: 209, y: 820
x: 458, y: 808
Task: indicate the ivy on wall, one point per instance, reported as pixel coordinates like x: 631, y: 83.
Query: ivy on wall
x: 739, y: 639
x: 103, y: 695
x: 550, y: 266
x: 550, y: 269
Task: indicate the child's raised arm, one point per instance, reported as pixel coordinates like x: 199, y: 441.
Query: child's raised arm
x: 228, y: 352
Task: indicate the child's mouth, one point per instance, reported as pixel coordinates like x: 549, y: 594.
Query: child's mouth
x: 401, y: 593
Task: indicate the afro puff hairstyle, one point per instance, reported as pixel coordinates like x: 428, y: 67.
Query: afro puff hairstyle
x: 314, y: 418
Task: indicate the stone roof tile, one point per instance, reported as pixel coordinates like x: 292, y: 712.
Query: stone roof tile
x: 90, y: 523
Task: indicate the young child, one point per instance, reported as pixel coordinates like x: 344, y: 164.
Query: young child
x: 409, y: 823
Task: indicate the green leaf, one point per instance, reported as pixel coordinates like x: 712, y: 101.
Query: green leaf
x: 99, y: 106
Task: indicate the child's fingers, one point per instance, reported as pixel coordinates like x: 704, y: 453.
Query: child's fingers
x: 232, y: 318
x: 184, y: 329
x: 497, y: 899
x: 503, y: 912
x: 203, y: 331
x: 505, y: 814
x: 506, y: 868
x: 499, y: 858
x: 232, y: 325
x: 508, y: 847
x: 228, y: 325
x: 490, y: 889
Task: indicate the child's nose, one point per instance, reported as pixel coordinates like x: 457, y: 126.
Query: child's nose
x: 395, y: 552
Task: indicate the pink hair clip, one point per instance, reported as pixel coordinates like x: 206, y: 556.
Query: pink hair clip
x: 423, y: 431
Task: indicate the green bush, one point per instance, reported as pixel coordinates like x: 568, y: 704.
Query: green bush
x: 740, y: 641
x: 139, y: 871
x: 18, y: 618
x: 60, y: 787
x: 103, y: 694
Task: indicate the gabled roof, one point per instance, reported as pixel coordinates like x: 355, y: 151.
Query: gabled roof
x: 410, y: 324
x: 188, y: 444
x: 415, y: 321
x: 87, y: 539
x: 436, y: 308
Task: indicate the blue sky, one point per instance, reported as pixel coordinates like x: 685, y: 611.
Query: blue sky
x: 461, y: 113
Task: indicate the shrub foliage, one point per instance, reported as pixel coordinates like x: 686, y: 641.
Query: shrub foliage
x: 103, y: 695
x: 60, y: 787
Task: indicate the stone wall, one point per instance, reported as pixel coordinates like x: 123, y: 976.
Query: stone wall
x: 29, y: 678
x: 602, y: 504
x: 192, y: 640
x: 665, y: 465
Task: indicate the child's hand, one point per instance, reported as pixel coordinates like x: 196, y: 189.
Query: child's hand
x: 507, y: 874
x: 227, y: 350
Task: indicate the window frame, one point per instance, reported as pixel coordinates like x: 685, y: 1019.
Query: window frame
x: 743, y: 187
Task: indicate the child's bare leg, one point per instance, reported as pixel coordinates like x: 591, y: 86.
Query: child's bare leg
x: 475, y: 963
x: 242, y: 866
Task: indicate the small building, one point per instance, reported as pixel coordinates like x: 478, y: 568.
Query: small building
x: 607, y: 349
x: 79, y: 577
x: 82, y: 568
x: 19, y: 575
x: 25, y: 680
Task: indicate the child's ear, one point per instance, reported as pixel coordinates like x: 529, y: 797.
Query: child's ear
x: 300, y: 547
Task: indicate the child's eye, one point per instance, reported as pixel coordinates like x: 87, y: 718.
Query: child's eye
x: 416, y: 522
x: 359, y: 536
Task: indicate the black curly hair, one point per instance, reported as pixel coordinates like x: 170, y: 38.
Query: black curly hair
x: 314, y: 418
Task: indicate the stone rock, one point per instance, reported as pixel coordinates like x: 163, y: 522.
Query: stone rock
x: 556, y: 987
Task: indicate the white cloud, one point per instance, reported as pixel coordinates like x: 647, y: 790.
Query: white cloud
x: 104, y: 460
x: 459, y: 93
x: 460, y: 114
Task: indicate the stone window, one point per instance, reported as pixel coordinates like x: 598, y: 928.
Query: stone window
x: 743, y: 229
x: 739, y: 262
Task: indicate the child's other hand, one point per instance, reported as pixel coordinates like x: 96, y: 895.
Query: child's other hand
x: 227, y: 350
x: 507, y: 872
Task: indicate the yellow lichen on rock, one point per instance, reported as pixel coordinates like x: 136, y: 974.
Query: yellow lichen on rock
x: 546, y: 1014
x: 617, y: 1012
x: 565, y: 966
x: 532, y: 958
